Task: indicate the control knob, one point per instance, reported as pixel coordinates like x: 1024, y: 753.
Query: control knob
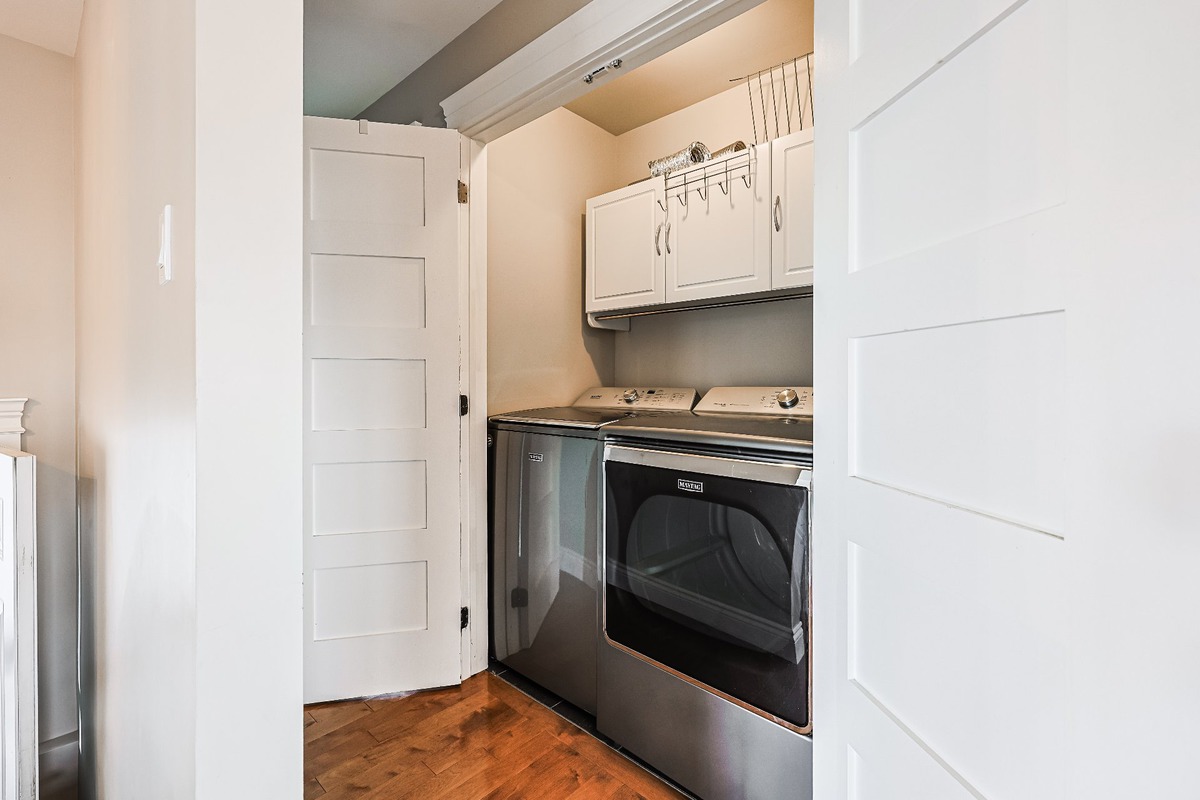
x: 787, y: 398
x: 630, y: 396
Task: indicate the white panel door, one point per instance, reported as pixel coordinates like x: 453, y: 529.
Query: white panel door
x: 1005, y: 328
x: 717, y: 238
x: 381, y: 443
x: 18, y: 628
x: 792, y: 210
x: 624, y: 248
x: 942, y: 341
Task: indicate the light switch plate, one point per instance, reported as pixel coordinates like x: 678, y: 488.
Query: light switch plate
x: 164, y: 245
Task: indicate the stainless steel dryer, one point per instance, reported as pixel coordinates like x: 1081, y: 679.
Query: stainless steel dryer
x: 545, y: 542
x: 705, y: 662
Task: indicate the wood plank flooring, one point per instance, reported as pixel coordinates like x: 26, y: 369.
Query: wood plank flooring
x: 483, y: 739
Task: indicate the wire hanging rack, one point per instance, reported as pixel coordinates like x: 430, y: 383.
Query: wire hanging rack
x: 773, y: 90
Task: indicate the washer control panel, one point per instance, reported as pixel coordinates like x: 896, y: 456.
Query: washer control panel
x: 790, y: 401
x: 644, y: 398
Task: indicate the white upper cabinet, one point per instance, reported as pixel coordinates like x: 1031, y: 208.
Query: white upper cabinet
x: 718, y: 236
x: 792, y: 210
x: 625, y: 247
x: 738, y: 226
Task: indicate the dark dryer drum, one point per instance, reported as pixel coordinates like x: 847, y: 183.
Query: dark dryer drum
x: 705, y: 664
x: 545, y: 531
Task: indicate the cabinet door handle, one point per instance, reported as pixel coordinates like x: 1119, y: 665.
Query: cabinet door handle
x: 777, y: 215
x: 668, y: 238
x: 657, y: 231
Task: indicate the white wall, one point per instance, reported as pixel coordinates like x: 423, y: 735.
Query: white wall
x: 37, y: 336
x: 189, y: 399
x: 540, y: 350
x: 249, y: 213
x: 137, y: 400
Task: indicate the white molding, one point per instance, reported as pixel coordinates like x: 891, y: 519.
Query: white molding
x: 548, y: 72
x: 473, y: 431
x: 477, y: 567
x: 12, y: 409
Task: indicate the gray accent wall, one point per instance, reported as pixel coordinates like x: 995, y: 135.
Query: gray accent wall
x: 759, y: 345
x: 497, y: 35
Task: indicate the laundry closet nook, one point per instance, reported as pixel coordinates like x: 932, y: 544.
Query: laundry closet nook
x: 542, y: 351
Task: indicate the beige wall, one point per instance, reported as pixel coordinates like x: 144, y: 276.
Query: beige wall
x: 37, y: 336
x: 717, y: 121
x: 540, y: 350
x: 189, y: 399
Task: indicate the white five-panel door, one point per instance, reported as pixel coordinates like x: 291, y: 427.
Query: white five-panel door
x: 1005, y: 540
x: 381, y: 414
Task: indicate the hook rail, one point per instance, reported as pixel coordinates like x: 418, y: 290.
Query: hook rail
x: 680, y: 184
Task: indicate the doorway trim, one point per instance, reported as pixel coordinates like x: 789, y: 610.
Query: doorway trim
x: 544, y: 75
x: 548, y: 72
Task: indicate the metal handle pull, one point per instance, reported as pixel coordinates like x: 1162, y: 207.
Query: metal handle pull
x: 776, y: 215
x: 668, y: 237
x: 657, y: 231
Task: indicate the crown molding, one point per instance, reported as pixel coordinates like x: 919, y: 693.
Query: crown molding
x: 12, y: 410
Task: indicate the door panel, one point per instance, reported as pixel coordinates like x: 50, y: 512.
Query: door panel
x: 624, y: 247
x: 719, y: 243
x: 18, y: 626
x: 382, y: 516
x: 792, y: 210
x: 941, y: 535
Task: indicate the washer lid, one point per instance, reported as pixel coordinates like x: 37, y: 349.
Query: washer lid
x: 564, y: 417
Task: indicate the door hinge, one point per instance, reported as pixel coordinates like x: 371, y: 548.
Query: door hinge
x: 464, y: 405
x: 464, y: 616
x: 463, y: 192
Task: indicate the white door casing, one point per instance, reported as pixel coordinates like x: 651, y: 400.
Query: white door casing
x: 1004, y: 304
x: 382, y: 450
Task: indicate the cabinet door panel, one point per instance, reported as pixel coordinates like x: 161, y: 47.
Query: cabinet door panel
x: 792, y: 210
x: 624, y: 267
x: 719, y: 244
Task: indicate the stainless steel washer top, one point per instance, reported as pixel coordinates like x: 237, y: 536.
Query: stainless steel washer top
x: 604, y: 405
x: 736, y: 419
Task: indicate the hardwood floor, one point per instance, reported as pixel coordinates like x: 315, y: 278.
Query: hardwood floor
x: 483, y: 739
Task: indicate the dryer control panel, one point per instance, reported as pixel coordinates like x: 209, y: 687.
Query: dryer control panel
x: 775, y: 401
x: 644, y: 398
